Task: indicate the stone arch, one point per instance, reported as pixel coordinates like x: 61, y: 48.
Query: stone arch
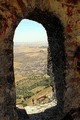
x: 56, y: 56
x: 55, y: 32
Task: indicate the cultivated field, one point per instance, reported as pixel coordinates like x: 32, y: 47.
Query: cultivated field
x: 32, y: 81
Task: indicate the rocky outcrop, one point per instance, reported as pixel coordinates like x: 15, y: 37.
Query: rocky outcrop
x: 61, y: 20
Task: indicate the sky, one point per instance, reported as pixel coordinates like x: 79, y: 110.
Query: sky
x: 30, y: 32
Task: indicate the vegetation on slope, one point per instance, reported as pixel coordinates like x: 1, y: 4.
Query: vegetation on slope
x: 30, y: 73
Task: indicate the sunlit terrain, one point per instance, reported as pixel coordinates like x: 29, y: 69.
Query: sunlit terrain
x: 31, y: 77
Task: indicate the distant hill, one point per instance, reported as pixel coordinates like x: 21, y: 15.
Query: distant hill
x: 32, y: 44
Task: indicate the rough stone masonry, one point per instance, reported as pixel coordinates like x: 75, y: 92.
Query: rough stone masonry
x: 61, y: 19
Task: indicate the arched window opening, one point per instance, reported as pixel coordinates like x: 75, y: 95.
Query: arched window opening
x: 33, y: 84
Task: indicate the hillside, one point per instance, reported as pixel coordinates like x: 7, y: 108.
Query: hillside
x: 32, y: 81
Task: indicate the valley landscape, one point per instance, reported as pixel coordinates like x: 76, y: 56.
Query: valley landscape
x: 32, y: 82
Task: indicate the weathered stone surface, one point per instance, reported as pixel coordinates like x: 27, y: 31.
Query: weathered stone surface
x: 61, y: 20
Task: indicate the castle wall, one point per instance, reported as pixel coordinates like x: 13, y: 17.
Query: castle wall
x: 61, y: 20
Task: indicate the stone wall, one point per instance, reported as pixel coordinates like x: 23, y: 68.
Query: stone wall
x: 61, y: 20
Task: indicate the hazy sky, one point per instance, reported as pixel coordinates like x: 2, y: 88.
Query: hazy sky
x: 30, y: 31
